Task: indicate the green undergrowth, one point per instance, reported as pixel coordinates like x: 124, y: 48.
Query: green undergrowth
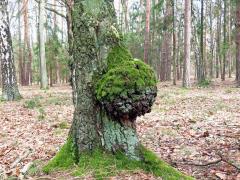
x: 33, y: 103
x: 205, y: 83
x: 102, y: 164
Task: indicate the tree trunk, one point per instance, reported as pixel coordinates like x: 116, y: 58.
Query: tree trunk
x: 224, y: 41
x: 147, y: 31
x: 174, y: 45
x: 229, y: 54
x: 20, y: 51
x: 9, y: 82
x: 43, y: 67
x: 125, y: 10
x: 166, y: 46
x: 212, y: 39
x: 27, y: 48
x: 92, y: 127
x: 187, y: 45
x: 201, y: 74
x: 238, y: 42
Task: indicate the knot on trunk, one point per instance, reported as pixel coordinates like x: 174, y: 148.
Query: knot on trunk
x: 128, y: 89
x: 132, y: 105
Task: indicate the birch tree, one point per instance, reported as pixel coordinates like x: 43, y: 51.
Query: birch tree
x: 9, y: 82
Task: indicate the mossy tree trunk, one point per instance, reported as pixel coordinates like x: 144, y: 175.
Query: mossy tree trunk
x: 92, y: 128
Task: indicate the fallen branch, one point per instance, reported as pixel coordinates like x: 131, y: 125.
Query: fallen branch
x: 221, y: 159
x: 19, y: 159
x: 205, y: 164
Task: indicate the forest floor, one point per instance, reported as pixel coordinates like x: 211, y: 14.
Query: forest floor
x: 195, y: 130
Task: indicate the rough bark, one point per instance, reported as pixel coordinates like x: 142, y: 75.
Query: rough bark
x: 9, y: 82
x: 187, y: 45
x: 92, y: 127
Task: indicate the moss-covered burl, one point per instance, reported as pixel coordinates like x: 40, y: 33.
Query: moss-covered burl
x: 128, y: 89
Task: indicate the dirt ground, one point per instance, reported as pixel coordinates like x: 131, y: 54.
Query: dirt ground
x: 196, y: 130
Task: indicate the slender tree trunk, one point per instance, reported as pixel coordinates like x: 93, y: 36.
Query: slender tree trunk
x: 212, y: 39
x: 43, y: 66
x: 187, y: 45
x: 218, y: 41
x: 27, y: 47
x: 174, y: 45
x: 238, y: 42
x: 166, y: 45
x: 125, y: 11
x: 56, y: 36
x: 201, y: 75
x: 9, y: 82
x: 224, y: 41
x: 20, y: 53
x: 229, y: 54
x: 147, y: 31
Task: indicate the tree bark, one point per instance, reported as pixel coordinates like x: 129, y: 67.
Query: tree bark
x: 27, y: 64
x: 187, y: 45
x: 166, y: 61
x: 43, y: 67
x: 174, y: 45
x: 9, y: 82
x: 92, y: 127
x: 20, y: 51
x: 238, y: 42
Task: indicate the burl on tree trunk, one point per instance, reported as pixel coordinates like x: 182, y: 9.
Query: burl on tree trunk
x: 111, y: 88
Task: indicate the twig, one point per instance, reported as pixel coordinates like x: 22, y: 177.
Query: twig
x: 228, y: 162
x: 222, y: 159
x: 19, y: 159
x: 25, y: 169
x: 206, y: 164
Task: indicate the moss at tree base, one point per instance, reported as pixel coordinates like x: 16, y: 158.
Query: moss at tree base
x: 102, y: 164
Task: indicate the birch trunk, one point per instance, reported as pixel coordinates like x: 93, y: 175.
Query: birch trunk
x: 9, y: 82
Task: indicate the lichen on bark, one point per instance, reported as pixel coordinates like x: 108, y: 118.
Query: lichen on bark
x: 10, y: 90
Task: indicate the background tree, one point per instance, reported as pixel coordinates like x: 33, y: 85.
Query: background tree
x: 43, y: 67
x: 147, y: 31
x: 9, y: 82
x: 187, y: 44
x: 238, y: 41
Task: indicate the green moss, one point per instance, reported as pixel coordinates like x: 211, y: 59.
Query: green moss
x: 102, y: 164
x: 117, y: 56
x: 125, y: 75
x: 63, y: 160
